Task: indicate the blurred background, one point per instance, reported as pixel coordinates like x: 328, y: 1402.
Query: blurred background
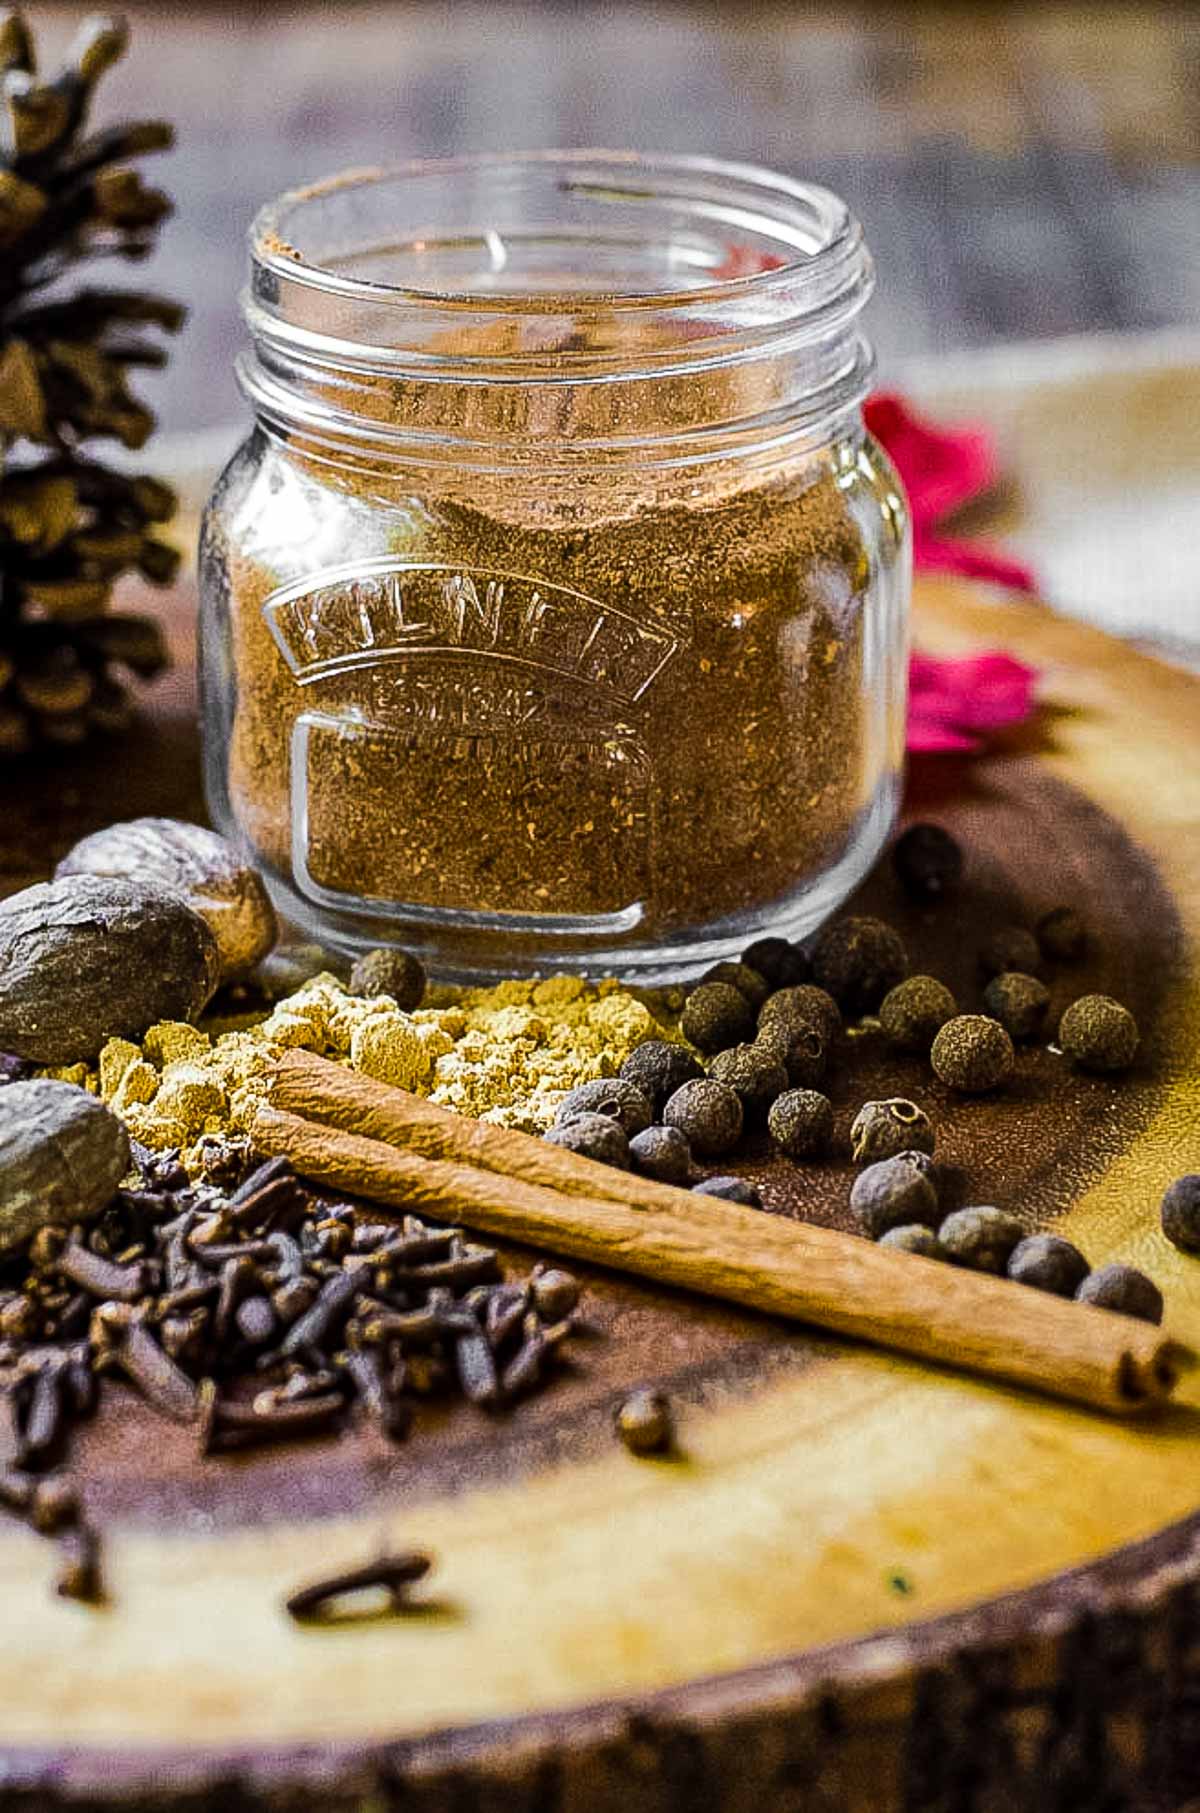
x: 1028, y: 175
x: 1022, y: 171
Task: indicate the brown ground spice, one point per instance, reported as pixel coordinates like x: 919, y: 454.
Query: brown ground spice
x: 669, y: 711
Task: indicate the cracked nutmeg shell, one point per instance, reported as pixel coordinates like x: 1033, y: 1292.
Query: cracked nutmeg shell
x: 84, y: 959
x: 62, y: 1157
x: 205, y: 869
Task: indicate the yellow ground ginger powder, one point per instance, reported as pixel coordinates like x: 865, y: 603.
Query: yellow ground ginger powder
x: 506, y: 1054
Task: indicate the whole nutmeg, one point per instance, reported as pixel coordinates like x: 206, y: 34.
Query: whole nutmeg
x: 87, y: 959
x: 62, y: 1157
x: 885, y: 1129
x: 207, y: 871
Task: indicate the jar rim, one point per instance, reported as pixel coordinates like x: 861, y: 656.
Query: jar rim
x: 806, y: 219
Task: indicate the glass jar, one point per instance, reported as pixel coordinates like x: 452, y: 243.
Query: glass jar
x: 554, y: 613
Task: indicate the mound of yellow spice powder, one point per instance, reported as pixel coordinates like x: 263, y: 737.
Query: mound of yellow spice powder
x: 506, y: 1054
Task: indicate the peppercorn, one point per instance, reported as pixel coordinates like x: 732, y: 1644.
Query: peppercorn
x: 644, y: 1422
x: 1012, y: 947
x: 595, y: 1136
x: 914, y: 1012
x: 1048, y: 1263
x: 659, y: 1068
x: 1019, y: 1002
x: 555, y: 1292
x: 747, y: 981
x: 1124, y: 1289
x: 885, y: 1129
x: 662, y: 1153
x: 913, y: 1237
x: 982, y: 1238
x: 715, y: 1016
x: 755, y: 1072
x: 1180, y: 1212
x: 972, y: 1053
x: 1061, y: 935
x: 390, y: 972
x: 615, y: 1096
x: 1099, y: 1033
x: 928, y: 861
x: 781, y: 963
x: 729, y: 1189
x: 708, y: 1114
x: 802, y: 1005
x: 858, y: 960
x: 801, y: 1122
x: 892, y: 1194
x: 802, y: 1049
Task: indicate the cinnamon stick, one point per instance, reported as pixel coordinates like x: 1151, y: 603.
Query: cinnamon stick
x: 720, y: 1249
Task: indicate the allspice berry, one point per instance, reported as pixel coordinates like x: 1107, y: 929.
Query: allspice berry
x: 643, y: 1422
x: 892, y: 1194
x: 1019, y: 1002
x: 858, y: 959
x: 885, y: 1129
x: 663, y: 1154
x: 1012, y: 947
x: 555, y: 1292
x: 1061, y: 934
x: 803, y: 1049
x: 1124, y: 1289
x: 928, y: 862
x: 615, y: 1096
x: 982, y: 1238
x: 801, y: 1123
x: 659, y: 1068
x: 802, y: 1005
x: 715, y: 1016
x: 755, y: 1072
x: 708, y: 1114
x: 1099, y: 1034
x: 780, y: 963
x: 741, y: 976
x: 1048, y: 1263
x: 1180, y: 1212
x: 914, y: 1238
x: 729, y: 1189
x: 390, y: 972
x: 914, y: 1012
x: 595, y: 1136
x: 972, y: 1053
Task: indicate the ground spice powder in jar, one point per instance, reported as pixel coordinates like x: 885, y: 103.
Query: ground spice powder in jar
x: 696, y: 753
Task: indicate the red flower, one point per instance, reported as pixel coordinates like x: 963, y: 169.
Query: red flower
x: 942, y: 469
x: 958, y: 703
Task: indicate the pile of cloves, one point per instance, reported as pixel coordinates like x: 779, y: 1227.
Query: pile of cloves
x: 257, y: 1314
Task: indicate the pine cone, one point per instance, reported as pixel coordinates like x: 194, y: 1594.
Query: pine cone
x: 69, y: 525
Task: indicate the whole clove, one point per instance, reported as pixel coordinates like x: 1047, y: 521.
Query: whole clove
x: 393, y: 1573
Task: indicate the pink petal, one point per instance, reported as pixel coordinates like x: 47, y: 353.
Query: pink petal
x: 941, y: 468
x: 955, y: 702
x: 933, y: 554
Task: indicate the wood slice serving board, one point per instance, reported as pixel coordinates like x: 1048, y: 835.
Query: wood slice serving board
x: 863, y: 1584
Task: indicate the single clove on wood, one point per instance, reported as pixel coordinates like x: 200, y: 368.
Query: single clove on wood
x: 393, y: 1573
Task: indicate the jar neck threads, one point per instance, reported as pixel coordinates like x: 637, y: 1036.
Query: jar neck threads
x: 556, y: 308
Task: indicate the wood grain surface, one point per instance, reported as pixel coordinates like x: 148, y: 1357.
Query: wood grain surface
x: 862, y: 1584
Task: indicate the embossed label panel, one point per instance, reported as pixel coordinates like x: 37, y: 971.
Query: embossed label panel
x: 387, y: 610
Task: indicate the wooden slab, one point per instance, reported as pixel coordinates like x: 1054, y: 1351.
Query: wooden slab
x: 864, y: 1585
